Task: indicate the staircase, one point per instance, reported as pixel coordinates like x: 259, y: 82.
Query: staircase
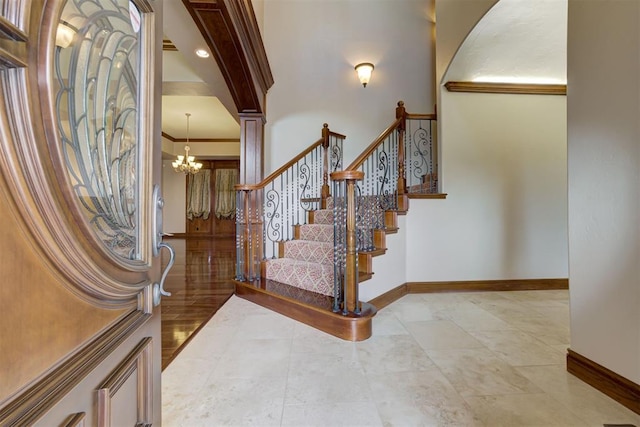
x: 303, y: 249
x: 307, y: 261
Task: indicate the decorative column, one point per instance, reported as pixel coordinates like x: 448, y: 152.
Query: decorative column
x: 325, y: 193
x: 401, y: 114
x: 251, y: 147
x: 251, y: 173
x: 350, y: 287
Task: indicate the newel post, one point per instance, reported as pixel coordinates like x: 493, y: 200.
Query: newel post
x: 350, y: 282
x: 401, y: 114
x: 325, y: 193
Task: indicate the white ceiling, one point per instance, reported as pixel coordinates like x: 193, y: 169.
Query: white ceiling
x: 209, y: 119
x: 516, y: 41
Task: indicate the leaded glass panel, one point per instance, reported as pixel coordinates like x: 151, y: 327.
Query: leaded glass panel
x: 97, y: 60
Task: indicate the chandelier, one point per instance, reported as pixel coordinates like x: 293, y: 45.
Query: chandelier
x: 186, y: 164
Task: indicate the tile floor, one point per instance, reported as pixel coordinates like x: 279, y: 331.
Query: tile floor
x: 467, y: 359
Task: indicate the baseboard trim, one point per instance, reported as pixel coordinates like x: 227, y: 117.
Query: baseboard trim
x: 398, y: 292
x: 604, y: 380
x: 389, y: 297
x: 488, y: 285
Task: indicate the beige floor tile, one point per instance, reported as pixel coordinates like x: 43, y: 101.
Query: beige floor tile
x: 387, y: 323
x: 358, y: 414
x: 538, y: 410
x: 395, y: 353
x: 328, y: 364
x: 413, y: 309
x: 255, y: 358
x: 519, y: 348
x: 477, y: 319
x: 583, y: 400
x: 544, y: 328
x: 231, y: 402
x: 479, y: 372
x: 268, y: 325
x: 325, y: 388
x: 503, y: 351
x: 506, y: 309
x: 423, y: 398
x: 310, y: 340
x: 441, y: 334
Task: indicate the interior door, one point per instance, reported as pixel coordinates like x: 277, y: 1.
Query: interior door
x: 215, y: 225
x: 80, y: 212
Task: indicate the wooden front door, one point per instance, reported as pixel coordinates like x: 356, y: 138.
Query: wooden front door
x: 80, y: 212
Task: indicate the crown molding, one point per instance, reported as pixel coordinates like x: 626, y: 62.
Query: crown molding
x: 507, y: 88
x: 173, y: 139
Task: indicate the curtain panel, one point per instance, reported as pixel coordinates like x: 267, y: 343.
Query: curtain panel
x: 199, y: 195
x: 225, y: 207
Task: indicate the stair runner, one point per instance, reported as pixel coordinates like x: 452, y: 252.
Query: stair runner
x: 308, y: 261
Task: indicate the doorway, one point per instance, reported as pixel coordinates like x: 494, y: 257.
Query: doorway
x: 201, y: 279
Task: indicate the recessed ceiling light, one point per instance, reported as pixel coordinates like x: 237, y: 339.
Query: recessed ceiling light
x: 202, y: 53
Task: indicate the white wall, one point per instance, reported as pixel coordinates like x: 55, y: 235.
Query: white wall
x: 503, y: 157
x: 313, y: 46
x: 175, y: 199
x: 387, y: 271
x: 505, y: 213
x: 604, y: 182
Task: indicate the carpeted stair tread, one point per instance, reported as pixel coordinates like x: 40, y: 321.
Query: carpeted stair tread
x: 317, y: 232
x: 310, y: 251
x: 323, y: 216
x: 311, y: 276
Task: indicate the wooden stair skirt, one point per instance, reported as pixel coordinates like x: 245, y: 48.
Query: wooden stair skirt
x: 309, y: 308
x: 299, y: 282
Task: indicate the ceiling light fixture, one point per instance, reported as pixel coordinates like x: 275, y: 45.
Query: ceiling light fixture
x: 65, y: 34
x: 364, y: 72
x: 186, y: 164
x: 202, y: 53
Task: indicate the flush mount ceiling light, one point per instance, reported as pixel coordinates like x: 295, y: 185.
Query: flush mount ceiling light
x: 364, y: 72
x: 202, y: 53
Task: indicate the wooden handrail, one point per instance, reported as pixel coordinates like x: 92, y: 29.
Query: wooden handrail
x: 287, y: 165
x: 337, y: 135
x: 347, y: 174
x: 245, y: 187
x: 366, y: 153
x: 414, y: 116
x: 281, y: 169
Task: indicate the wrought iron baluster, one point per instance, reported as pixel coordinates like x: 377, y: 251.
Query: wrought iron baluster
x: 337, y: 271
x: 239, y: 234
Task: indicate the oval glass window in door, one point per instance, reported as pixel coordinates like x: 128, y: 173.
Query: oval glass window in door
x: 96, y: 92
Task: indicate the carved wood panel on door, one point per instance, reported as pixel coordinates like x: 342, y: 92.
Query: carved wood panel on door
x: 79, y: 158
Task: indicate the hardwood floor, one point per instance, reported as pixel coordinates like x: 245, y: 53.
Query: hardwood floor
x: 200, y: 282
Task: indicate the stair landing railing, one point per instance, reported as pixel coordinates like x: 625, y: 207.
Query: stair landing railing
x: 421, y: 154
x: 402, y: 159
x: 267, y: 212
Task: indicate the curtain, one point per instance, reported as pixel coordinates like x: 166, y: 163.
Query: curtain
x: 225, y: 194
x: 199, y: 195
